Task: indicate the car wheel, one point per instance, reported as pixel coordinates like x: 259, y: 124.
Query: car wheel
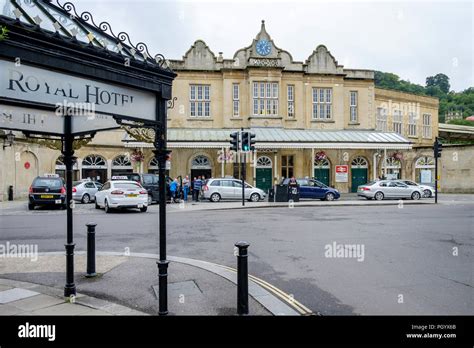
x: 426, y: 194
x: 254, y: 197
x: 86, y: 199
x: 143, y: 209
x: 379, y: 196
x: 107, y: 208
x: 215, y: 197
x: 96, y: 205
x: 415, y: 196
x: 31, y: 207
x: 330, y: 196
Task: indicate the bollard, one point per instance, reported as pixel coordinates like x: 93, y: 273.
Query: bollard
x: 242, y: 279
x: 91, y: 250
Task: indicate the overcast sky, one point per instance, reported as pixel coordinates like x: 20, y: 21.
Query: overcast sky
x: 412, y: 39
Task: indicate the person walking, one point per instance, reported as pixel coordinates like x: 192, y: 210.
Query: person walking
x: 186, y: 185
x: 173, y: 189
x: 197, y: 188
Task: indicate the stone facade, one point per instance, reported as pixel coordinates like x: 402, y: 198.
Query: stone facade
x: 227, y: 95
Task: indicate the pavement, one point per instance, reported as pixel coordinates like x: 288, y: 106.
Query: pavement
x: 128, y: 285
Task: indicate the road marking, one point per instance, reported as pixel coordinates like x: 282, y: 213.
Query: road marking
x: 278, y: 292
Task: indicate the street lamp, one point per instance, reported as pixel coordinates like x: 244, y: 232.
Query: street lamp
x: 8, y: 140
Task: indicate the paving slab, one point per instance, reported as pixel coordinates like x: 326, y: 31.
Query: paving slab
x: 36, y: 302
x: 15, y: 294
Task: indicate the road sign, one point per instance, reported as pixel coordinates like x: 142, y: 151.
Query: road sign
x: 64, y: 92
x: 342, y: 173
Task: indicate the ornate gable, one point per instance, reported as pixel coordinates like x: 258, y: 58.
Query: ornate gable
x: 321, y: 61
x: 198, y: 57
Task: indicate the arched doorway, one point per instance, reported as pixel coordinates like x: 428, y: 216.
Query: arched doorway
x: 121, y: 165
x: 201, y: 165
x: 424, y: 170
x: 359, y: 172
x: 264, y: 173
x: 393, y: 168
x: 60, y: 169
x: 322, y: 171
x: 94, y: 167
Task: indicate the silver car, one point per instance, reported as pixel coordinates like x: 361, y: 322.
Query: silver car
x: 84, y: 191
x: 387, y: 189
x: 216, y: 189
x: 427, y: 190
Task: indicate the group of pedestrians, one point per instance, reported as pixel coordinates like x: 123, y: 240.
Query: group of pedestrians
x: 181, y: 189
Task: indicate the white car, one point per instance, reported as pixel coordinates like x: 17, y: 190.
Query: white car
x: 121, y: 194
x: 428, y: 191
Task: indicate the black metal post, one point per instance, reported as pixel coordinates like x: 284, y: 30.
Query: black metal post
x: 91, y: 250
x: 242, y: 279
x: 244, y: 173
x: 161, y: 154
x: 68, y: 153
x: 436, y: 169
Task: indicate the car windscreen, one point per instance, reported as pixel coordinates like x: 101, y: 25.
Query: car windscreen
x: 126, y: 185
x: 370, y: 183
x: 75, y: 183
x: 46, y: 182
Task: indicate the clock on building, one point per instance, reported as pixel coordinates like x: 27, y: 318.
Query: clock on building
x: 263, y: 47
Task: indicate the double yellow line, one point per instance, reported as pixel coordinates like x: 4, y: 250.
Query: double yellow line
x: 298, y: 306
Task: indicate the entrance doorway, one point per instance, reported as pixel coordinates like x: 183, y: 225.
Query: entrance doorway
x: 94, y: 167
x: 264, y: 173
x: 322, y: 171
x: 359, y: 172
x: 201, y: 165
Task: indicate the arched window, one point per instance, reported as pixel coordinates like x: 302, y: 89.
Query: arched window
x: 425, y: 162
x: 323, y: 163
x: 201, y: 162
x: 94, y: 161
x: 392, y: 163
x: 61, y: 166
x: 359, y: 162
x: 121, y: 161
x: 264, y: 162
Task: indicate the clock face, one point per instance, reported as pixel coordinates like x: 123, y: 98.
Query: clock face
x: 263, y: 47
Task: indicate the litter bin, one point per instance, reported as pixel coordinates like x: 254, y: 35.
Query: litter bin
x: 271, y: 195
x: 281, y: 193
x: 293, y: 193
x: 10, y: 193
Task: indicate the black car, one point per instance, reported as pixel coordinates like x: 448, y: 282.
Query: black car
x: 150, y: 182
x: 47, y: 191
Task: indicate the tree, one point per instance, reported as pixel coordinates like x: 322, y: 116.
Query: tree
x: 439, y: 80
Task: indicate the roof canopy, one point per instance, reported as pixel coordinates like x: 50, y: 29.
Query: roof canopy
x: 281, y: 138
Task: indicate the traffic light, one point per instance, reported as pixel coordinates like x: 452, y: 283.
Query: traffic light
x: 234, y: 142
x: 248, y: 142
x: 438, y: 148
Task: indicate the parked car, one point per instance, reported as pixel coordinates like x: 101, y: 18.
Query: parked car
x: 47, y: 191
x: 121, y: 194
x: 216, y: 189
x: 149, y: 182
x: 314, y: 189
x: 84, y: 191
x: 427, y: 190
x: 388, y: 189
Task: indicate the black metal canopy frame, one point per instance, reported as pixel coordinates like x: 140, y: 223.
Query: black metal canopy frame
x: 55, y: 42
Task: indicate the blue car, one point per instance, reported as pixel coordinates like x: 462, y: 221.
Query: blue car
x: 314, y: 189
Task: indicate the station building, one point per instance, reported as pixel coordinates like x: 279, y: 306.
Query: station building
x: 311, y: 119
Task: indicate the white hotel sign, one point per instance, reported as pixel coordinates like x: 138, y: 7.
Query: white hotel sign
x: 102, y: 101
